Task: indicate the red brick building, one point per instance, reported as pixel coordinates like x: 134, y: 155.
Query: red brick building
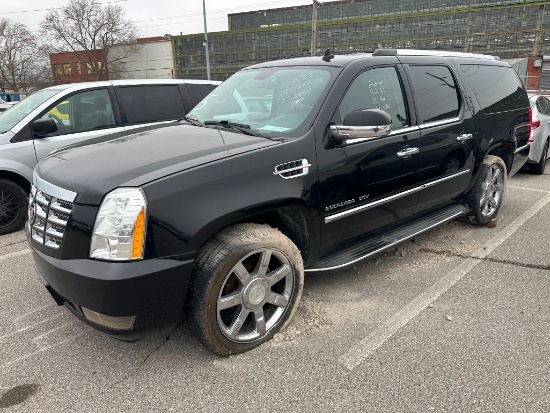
x: 72, y: 67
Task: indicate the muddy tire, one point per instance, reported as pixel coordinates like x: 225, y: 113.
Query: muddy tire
x: 485, y: 198
x: 247, y: 283
x: 13, y: 206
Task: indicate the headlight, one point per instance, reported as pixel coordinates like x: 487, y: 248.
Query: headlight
x: 120, y: 226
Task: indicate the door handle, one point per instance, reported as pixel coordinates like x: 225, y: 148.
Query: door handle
x: 406, y: 153
x: 464, y: 137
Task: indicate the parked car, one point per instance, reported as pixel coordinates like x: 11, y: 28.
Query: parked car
x: 226, y: 211
x: 5, y: 105
x: 539, y: 152
x: 61, y: 115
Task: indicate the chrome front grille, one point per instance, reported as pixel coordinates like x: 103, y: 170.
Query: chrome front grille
x: 49, y: 211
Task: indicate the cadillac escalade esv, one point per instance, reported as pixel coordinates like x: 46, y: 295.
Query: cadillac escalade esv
x: 292, y: 166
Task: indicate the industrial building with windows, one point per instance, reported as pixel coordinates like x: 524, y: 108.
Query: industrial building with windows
x: 510, y: 29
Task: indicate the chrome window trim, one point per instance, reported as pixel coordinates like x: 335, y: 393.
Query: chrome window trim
x: 439, y: 123
x: 407, y: 129
x: 361, y: 208
x: 51, y: 189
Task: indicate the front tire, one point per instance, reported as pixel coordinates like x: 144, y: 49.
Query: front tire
x: 13, y: 206
x: 247, y: 284
x: 485, y: 198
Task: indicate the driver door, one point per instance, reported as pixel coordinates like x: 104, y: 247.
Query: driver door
x: 79, y: 117
x: 366, y: 184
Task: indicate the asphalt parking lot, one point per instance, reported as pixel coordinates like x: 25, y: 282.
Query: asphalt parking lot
x: 456, y: 320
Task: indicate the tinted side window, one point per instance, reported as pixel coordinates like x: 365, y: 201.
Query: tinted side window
x: 436, y: 92
x: 377, y: 88
x: 497, y: 88
x: 141, y: 104
x: 546, y: 105
x: 198, y: 92
x: 82, y: 112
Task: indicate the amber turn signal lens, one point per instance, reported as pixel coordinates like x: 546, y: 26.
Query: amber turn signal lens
x: 139, y: 233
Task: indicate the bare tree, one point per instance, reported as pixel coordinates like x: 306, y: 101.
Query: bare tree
x: 91, y: 30
x: 22, y: 63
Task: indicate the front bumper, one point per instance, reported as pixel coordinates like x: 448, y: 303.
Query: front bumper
x: 151, y: 290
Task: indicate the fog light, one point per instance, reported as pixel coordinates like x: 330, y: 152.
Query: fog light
x: 114, y: 323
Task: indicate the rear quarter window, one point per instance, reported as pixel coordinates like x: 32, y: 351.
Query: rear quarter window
x: 150, y: 103
x: 496, y: 88
x: 199, y: 91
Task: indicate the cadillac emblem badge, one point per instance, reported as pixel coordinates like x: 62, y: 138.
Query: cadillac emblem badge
x: 32, y: 211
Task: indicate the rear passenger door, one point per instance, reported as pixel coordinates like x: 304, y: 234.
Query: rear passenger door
x: 149, y: 104
x: 446, y: 130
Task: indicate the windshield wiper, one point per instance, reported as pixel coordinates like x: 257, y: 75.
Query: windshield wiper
x: 192, y: 120
x: 240, y: 127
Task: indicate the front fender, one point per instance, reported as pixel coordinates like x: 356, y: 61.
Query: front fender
x: 187, y: 208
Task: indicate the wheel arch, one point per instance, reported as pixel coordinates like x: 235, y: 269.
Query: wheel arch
x: 293, y: 219
x: 504, y: 151
x: 17, y: 178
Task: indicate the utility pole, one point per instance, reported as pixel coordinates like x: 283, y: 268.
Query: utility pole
x: 313, y: 47
x: 206, y: 41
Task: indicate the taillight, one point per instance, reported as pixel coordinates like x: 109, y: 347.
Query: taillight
x: 531, y: 126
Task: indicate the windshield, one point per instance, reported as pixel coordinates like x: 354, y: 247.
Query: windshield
x: 272, y: 101
x: 12, y: 117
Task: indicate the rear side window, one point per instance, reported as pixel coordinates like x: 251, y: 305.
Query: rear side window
x: 436, y: 92
x: 198, y: 92
x: 142, y: 104
x: 497, y: 88
x: 543, y: 105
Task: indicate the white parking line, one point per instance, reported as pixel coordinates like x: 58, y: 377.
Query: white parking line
x: 29, y: 355
x: 31, y: 326
x: 528, y: 189
x: 31, y: 312
x: 41, y: 341
x: 14, y: 254
x: 380, y: 335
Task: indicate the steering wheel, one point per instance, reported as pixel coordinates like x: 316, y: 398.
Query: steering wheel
x: 60, y: 125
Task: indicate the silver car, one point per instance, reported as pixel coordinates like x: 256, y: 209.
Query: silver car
x: 69, y: 114
x: 540, y: 130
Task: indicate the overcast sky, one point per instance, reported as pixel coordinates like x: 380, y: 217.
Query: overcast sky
x: 152, y: 17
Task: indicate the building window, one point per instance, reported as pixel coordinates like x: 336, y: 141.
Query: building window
x: 67, y: 69
x: 58, y: 70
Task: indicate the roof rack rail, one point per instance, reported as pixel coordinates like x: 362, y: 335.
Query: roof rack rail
x: 443, y: 53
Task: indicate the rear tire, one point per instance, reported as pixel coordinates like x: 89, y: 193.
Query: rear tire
x: 247, y: 283
x: 13, y: 206
x: 539, y: 167
x: 485, y: 198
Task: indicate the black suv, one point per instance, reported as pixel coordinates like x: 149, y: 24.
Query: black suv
x: 293, y: 166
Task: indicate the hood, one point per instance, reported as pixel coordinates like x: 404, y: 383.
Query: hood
x: 134, y: 159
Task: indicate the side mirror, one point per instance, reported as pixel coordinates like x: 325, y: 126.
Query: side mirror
x: 43, y: 127
x: 363, y: 124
